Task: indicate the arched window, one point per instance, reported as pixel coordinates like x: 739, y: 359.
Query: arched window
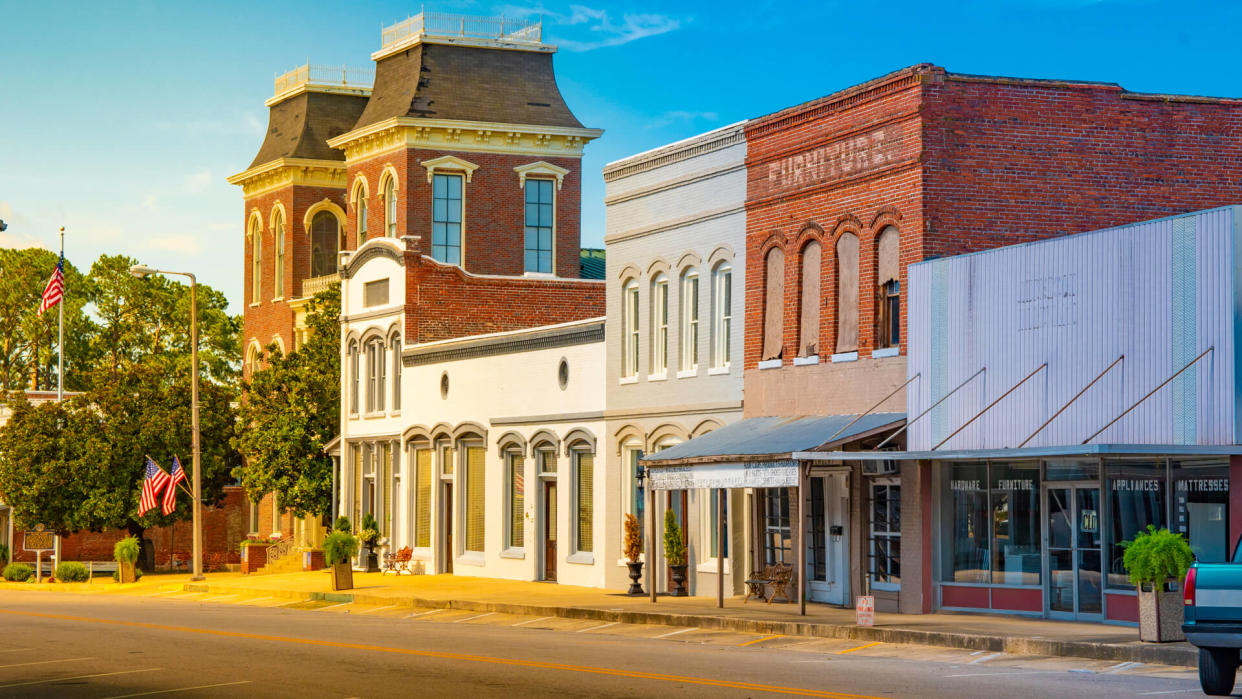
x: 253, y: 356
x: 722, y: 314
x: 279, y: 273
x: 774, y: 304
x: 377, y: 370
x: 847, y: 293
x: 888, y: 288
x: 390, y: 207
x: 256, y: 261
x: 689, y: 320
x: 394, y: 345
x: 808, y: 326
x: 353, y: 378
x: 325, y: 243
x: 360, y: 211
x: 659, y: 325
x: 629, y: 329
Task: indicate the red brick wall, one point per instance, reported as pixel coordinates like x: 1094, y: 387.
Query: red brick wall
x: 494, y: 207
x: 444, y: 302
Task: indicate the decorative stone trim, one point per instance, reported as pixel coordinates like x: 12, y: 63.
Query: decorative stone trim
x: 448, y: 163
x: 368, y: 252
x: 561, y: 337
x: 540, y: 168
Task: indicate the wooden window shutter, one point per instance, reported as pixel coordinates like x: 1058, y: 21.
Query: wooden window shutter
x: 586, y: 503
x: 847, y: 293
x: 517, y: 488
x: 386, y: 464
x: 422, y: 507
x: 808, y: 333
x: 774, y: 305
x: 474, y: 498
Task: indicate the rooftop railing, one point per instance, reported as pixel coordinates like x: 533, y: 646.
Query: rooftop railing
x: 308, y: 74
x: 450, y: 25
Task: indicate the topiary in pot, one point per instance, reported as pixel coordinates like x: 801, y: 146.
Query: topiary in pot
x: 368, y: 536
x: 1157, y: 561
x: 675, y: 553
x: 338, y: 548
x: 342, y: 524
x: 633, y: 552
x: 72, y: 571
x: 126, y: 554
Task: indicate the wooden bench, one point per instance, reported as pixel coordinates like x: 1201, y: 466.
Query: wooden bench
x: 776, y: 577
x: 399, y: 562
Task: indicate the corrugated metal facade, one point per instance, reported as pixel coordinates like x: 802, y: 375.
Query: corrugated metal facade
x: 1158, y: 292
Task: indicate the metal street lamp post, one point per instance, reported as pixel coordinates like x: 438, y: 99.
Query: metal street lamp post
x: 141, y: 271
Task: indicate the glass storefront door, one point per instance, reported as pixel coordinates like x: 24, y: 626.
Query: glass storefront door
x: 1073, y: 547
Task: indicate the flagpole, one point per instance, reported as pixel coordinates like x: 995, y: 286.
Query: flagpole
x: 60, y: 371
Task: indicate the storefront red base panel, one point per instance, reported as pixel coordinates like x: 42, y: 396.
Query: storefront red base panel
x: 1122, y: 608
x: 1017, y: 600
x: 970, y: 597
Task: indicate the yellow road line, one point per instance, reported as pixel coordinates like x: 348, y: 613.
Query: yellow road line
x: 758, y: 640
x: 513, y: 662
x: 863, y: 646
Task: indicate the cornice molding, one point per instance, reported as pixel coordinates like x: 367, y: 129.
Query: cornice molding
x: 489, y: 347
x: 373, y: 249
x: 470, y: 136
x: 352, y: 90
x: 285, y: 172
x: 700, y: 217
x: 675, y: 153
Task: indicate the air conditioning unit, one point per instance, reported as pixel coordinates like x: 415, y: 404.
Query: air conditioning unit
x: 880, y: 468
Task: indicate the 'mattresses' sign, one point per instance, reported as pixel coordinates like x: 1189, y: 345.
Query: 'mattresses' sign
x: 747, y: 474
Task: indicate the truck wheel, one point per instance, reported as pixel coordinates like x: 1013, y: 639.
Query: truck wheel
x: 1217, y: 669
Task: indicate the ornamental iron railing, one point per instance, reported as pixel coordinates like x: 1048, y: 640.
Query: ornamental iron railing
x: 451, y: 25
x: 307, y: 74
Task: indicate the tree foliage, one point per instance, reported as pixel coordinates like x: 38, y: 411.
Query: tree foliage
x: 290, y: 413
x: 28, y: 357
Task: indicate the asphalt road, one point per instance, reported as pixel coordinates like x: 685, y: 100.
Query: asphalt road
x: 65, y: 645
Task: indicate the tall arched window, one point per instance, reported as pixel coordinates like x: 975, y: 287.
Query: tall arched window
x: 390, y: 207
x: 279, y: 273
x: 325, y: 243
x: 774, y: 304
x: 353, y: 378
x: 888, y: 288
x: 629, y: 329
x: 394, y: 343
x: 360, y: 213
x: 256, y: 261
x: 808, y: 326
x: 688, y: 321
x: 377, y: 370
x: 659, y: 325
x: 847, y: 293
x: 252, y: 360
x: 722, y: 314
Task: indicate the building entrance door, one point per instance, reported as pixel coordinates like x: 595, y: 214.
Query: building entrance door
x: 446, y: 526
x: 1073, y: 562
x: 828, y: 539
x: 549, y: 530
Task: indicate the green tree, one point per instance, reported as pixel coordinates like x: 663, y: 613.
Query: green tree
x: 290, y: 413
x: 28, y: 352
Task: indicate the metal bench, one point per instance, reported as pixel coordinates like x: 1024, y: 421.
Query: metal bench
x: 776, y: 577
x: 398, y: 563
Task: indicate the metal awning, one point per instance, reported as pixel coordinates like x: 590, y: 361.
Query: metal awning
x: 757, y: 452
x: 1068, y: 450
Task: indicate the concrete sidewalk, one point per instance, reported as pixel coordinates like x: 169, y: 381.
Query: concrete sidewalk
x: 966, y: 631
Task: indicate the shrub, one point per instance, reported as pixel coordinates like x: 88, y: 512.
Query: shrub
x: 1156, y: 555
x: 126, y: 550
x: 369, y: 533
x: 633, y: 539
x: 72, y: 571
x: 18, y: 572
x: 674, y: 545
x: 343, y: 525
x: 339, y: 547
x: 116, y: 575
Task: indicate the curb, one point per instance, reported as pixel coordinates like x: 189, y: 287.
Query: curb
x: 1182, y: 655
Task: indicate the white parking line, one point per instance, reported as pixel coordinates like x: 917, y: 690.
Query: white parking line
x: 1171, y: 691
x: 181, y: 689
x: 258, y: 599
x: 78, y: 677
x: 378, y: 609
x: 472, y: 618
x: 597, y: 628
x: 674, y: 633
x: 985, y: 658
x: 424, y: 613
x: 531, y: 621
x: 45, y: 662
x: 1120, y: 667
x: 332, y: 606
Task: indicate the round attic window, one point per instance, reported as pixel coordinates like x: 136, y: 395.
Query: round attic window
x: 444, y: 385
x: 562, y: 373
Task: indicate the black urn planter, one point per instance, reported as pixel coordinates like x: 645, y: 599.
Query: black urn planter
x: 636, y: 574
x: 372, y: 561
x: 679, y: 581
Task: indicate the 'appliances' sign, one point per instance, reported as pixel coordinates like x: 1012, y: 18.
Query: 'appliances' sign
x: 851, y: 156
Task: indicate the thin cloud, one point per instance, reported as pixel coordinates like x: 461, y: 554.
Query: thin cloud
x: 178, y: 242
x: 19, y: 241
x: 198, y: 182
x: 604, y: 30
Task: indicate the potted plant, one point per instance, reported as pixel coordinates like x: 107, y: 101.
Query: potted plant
x: 338, y: 549
x: 633, y: 551
x: 675, y: 554
x: 342, y: 524
x: 1157, y: 561
x: 368, y: 536
x: 126, y: 554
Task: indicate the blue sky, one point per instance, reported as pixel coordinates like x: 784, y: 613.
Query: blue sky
x: 120, y: 120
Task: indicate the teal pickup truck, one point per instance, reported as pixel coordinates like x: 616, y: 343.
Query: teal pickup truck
x: 1213, y: 596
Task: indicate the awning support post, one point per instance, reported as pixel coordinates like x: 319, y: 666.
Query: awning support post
x: 943, y: 398
x: 979, y: 414
x: 1071, y: 400
x: 1150, y: 393
x: 651, y: 541
x: 872, y: 408
x: 801, y: 558
x: 721, y: 504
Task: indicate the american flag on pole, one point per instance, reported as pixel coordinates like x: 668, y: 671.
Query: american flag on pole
x: 152, y: 485
x: 54, y: 292
x: 170, y: 490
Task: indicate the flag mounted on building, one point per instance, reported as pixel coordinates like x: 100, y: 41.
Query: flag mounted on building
x: 170, y: 490
x: 152, y: 485
x: 54, y: 292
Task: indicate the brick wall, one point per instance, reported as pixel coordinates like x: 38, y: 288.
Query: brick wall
x: 443, y: 302
x: 493, y: 207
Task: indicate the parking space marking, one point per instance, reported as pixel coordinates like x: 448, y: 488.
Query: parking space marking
x: 531, y: 621
x: 984, y: 658
x: 1121, y: 667
x: 424, y: 613
x: 873, y: 644
x: 1171, y: 691
x: 180, y: 689
x: 596, y: 628
x: 753, y: 641
x: 78, y: 677
x: 472, y: 618
x: 45, y: 662
x: 257, y: 599
x: 674, y: 633
x: 378, y: 609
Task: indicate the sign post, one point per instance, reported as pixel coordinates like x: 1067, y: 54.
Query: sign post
x: 39, y: 540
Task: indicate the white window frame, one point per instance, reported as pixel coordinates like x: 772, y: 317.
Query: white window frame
x: 629, y: 334
x: 278, y: 270
x: 689, y: 322
x: 355, y: 380
x: 394, y: 341
x: 707, y: 529
x: 361, y: 226
x: 390, y: 206
x: 659, y: 327
x: 893, y: 537
x: 579, y: 555
x: 510, y: 487
x: 722, y: 316
x: 256, y: 262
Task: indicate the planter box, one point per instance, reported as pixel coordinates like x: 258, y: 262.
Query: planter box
x: 342, y: 576
x: 1161, y: 613
x: 126, y: 573
x: 253, y: 557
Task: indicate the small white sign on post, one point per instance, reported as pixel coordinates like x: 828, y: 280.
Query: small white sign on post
x: 864, y: 608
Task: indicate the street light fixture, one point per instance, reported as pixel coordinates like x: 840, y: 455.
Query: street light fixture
x: 142, y: 271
